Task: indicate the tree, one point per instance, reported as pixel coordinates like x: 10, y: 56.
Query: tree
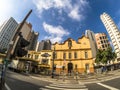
x: 114, y: 55
x: 105, y: 56
x: 98, y: 56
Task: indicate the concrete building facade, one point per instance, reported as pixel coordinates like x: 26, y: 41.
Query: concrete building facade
x: 102, y: 41
x: 26, y: 30
x: 113, y: 32
x: 7, y: 31
x: 44, y: 45
x: 90, y: 34
x: 33, y: 40
x: 30, y: 35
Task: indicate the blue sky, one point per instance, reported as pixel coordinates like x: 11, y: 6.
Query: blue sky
x: 58, y: 20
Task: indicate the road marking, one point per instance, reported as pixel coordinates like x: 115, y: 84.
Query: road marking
x: 50, y: 87
x: 42, y: 79
x: 7, y: 87
x: 106, y: 86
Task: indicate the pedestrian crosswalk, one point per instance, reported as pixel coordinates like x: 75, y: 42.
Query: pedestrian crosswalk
x: 65, y: 86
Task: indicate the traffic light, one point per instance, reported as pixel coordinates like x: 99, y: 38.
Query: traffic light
x: 21, y: 47
x: 20, y: 50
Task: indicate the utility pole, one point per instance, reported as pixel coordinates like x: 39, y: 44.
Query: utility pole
x: 2, y: 79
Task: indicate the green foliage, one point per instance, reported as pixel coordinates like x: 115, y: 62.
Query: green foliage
x: 98, y: 56
x: 103, y: 56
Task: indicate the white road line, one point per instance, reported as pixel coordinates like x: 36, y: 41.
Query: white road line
x: 42, y: 79
x: 64, y: 88
x: 7, y: 87
x: 106, y: 86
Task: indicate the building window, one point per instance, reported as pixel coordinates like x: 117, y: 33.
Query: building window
x: 31, y: 56
x: 28, y: 55
x: 86, y: 55
x: 103, y: 37
x: 87, y: 67
x: 75, y: 54
x: 69, y: 44
x: 101, y: 41
x: 102, y: 46
x: 106, y: 45
x: 44, y: 61
x: 64, y: 55
x: 36, y: 56
x: 69, y: 55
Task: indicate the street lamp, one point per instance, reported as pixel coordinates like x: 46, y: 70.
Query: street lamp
x: 53, y: 63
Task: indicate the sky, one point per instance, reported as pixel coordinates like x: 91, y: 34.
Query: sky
x: 58, y: 20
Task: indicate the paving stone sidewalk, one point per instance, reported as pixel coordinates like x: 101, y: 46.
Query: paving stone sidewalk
x: 94, y: 78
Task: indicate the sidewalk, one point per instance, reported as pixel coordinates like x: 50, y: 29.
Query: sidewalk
x: 95, y: 78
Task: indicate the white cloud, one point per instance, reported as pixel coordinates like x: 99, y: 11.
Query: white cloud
x: 74, y: 14
x: 5, y: 9
x: 56, y: 33
x: 75, y: 11
x: 13, y: 8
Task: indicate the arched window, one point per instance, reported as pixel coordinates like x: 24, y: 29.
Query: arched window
x: 69, y: 44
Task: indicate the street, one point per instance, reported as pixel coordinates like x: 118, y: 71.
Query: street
x: 107, y: 85
x: 17, y: 81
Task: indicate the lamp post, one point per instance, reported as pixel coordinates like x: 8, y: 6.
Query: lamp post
x: 53, y: 63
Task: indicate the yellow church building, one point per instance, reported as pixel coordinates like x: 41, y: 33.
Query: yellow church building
x: 74, y: 56
x: 69, y: 56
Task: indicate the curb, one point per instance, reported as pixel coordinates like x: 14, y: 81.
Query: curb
x: 88, y: 80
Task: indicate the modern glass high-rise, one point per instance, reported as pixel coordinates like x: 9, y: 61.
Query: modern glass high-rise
x: 7, y: 31
x: 113, y: 32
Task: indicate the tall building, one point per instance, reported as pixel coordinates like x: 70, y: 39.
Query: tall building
x: 7, y: 31
x: 26, y: 30
x: 37, y: 45
x: 33, y: 40
x: 102, y: 41
x: 113, y: 32
x: 91, y: 36
x: 44, y: 45
x: 30, y: 35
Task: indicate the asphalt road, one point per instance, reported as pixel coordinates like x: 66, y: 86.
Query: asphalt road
x: 107, y: 85
x: 16, y: 81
